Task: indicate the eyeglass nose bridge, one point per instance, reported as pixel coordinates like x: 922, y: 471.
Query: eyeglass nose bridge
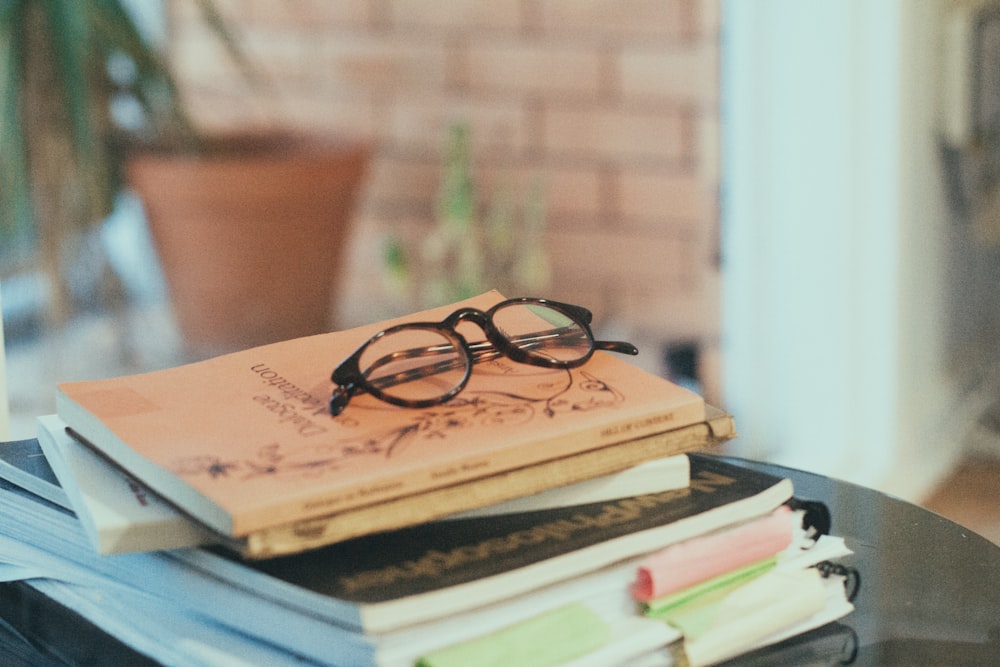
x: 502, y: 343
x: 484, y: 321
x: 474, y: 315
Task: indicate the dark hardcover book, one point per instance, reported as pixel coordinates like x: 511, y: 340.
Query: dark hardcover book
x: 22, y: 462
x: 38, y: 632
x: 394, y: 579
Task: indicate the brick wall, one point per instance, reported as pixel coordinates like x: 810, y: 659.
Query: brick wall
x: 612, y: 103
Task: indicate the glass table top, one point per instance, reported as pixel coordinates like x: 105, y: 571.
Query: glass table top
x: 930, y: 592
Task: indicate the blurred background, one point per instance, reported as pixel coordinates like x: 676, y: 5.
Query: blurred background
x: 791, y: 207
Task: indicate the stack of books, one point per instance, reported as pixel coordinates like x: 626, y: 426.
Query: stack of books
x: 214, y: 513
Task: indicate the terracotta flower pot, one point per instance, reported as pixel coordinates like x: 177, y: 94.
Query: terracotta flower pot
x: 251, y: 234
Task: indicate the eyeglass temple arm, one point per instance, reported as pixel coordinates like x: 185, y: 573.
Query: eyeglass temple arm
x: 619, y: 346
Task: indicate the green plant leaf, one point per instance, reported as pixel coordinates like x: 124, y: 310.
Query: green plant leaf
x: 72, y: 41
x: 15, y: 203
x: 154, y: 88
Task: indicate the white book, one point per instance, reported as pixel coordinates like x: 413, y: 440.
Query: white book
x: 118, y: 514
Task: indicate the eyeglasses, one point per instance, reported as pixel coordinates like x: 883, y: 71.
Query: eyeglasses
x: 422, y: 364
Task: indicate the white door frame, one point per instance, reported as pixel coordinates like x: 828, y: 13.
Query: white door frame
x: 832, y: 215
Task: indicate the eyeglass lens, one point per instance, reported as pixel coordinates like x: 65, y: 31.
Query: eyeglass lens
x: 542, y: 332
x: 414, y: 364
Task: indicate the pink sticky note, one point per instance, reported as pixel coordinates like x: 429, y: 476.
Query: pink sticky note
x: 699, y: 559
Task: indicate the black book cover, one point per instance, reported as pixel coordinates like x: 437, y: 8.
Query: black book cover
x: 420, y: 559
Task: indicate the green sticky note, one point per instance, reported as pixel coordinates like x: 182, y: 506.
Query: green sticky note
x: 548, y: 639
x: 691, y: 609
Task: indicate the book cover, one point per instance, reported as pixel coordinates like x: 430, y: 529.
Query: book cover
x: 244, y: 441
x: 23, y: 462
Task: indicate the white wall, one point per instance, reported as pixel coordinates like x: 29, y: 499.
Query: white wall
x: 833, y: 240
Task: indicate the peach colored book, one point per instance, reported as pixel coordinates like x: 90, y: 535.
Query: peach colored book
x: 244, y: 441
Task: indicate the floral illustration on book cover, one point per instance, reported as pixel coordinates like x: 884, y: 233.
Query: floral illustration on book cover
x: 554, y: 394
